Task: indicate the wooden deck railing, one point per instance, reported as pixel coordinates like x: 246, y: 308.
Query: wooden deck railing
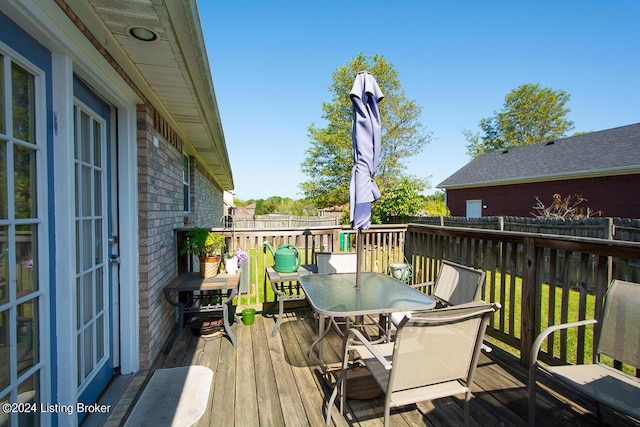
x: 384, y: 245
x: 539, y: 279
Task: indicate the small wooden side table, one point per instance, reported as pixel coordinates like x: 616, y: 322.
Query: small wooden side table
x: 206, y: 301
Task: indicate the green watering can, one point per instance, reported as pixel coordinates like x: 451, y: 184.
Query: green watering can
x: 287, y: 258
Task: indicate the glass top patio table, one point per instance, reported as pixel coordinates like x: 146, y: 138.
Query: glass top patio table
x: 335, y: 295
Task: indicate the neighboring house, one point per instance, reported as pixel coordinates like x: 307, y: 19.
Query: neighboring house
x: 603, y: 167
x: 334, y: 211
x: 251, y: 209
x: 242, y: 211
x: 229, y: 206
x: 110, y: 139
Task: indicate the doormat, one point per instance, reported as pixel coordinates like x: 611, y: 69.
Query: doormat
x: 173, y: 397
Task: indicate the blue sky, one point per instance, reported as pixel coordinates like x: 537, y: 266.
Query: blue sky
x: 272, y: 63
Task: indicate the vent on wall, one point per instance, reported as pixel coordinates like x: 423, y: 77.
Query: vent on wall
x: 550, y: 143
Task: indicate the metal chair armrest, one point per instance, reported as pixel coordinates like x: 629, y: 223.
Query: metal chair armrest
x: 422, y: 285
x: 362, y: 341
x: 535, y: 348
x: 533, y: 361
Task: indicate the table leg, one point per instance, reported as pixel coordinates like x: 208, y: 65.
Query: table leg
x: 280, y: 313
x: 323, y: 329
x: 176, y: 334
x: 225, y: 320
x: 179, y: 327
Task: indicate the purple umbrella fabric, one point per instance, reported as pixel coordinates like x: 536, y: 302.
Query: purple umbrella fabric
x: 366, y: 134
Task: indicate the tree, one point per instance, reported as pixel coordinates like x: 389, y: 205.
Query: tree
x: 329, y: 159
x: 434, y: 205
x: 399, y: 198
x: 530, y: 114
x: 281, y: 205
x: 564, y: 208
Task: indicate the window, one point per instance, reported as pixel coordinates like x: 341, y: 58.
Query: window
x: 186, y: 183
x: 21, y: 293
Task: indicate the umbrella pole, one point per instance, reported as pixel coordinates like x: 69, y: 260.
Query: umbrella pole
x: 358, y: 256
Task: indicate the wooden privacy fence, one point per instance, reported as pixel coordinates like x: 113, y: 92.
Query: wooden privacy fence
x: 603, y: 228
x: 383, y: 245
x: 280, y: 221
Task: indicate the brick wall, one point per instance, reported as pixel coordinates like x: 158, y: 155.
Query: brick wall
x: 207, y: 204
x: 160, y: 212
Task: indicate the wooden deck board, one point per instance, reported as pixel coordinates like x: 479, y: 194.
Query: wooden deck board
x: 268, y: 381
x: 293, y: 411
x: 246, y: 395
x: 268, y: 405
x: 224, y: 385
x: 303, y: 376
x: 210, y: 357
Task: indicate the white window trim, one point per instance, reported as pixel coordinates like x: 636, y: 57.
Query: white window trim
x: 63, y: 100
x: 42, y: 224
x: 474, y: 201
x: 186, y: 180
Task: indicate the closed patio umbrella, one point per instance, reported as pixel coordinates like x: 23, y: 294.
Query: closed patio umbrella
x: 366, y: 134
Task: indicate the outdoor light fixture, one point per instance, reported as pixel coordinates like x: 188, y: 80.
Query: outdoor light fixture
x: 143, y: 34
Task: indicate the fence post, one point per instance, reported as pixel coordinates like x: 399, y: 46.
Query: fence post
x: 335, y: 237
x: 610, y: 233
x: 529, y: 312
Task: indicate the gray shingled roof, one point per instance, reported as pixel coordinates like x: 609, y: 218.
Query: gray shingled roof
x: 608, y: 152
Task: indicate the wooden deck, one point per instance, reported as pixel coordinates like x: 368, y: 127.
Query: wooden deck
x: 268, y: 381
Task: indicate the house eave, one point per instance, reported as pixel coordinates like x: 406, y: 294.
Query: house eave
x: 171, y: 74
x: 627, y: 170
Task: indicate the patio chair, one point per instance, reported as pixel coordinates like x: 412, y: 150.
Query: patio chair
x: 336, y: 262
x: 455, y: 284
x: 434, y: 355
x: 339, y: 262
x: 618, y: 339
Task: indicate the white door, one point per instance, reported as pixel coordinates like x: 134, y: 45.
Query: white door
x: 94, y: 240
x: 474, y: 208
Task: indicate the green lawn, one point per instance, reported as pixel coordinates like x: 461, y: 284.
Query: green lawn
x: 257, y: 276
x: 572, y: 316
x: 573, y: 303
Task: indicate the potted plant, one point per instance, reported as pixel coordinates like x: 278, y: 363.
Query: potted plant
x: 230, y: 263
x: 207, y: 246
x: 233, y: 260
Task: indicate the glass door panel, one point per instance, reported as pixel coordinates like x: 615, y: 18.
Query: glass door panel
x: 21, y: 293
x: 92, y: 334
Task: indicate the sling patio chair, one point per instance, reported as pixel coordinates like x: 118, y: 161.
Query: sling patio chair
x: 434, y: 355
x: 342, y: 262
x: 455, y: 284
x: 336, y: 262
x: 619, y: 340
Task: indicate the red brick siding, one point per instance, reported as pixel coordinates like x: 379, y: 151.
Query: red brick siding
x: 615, y: 196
